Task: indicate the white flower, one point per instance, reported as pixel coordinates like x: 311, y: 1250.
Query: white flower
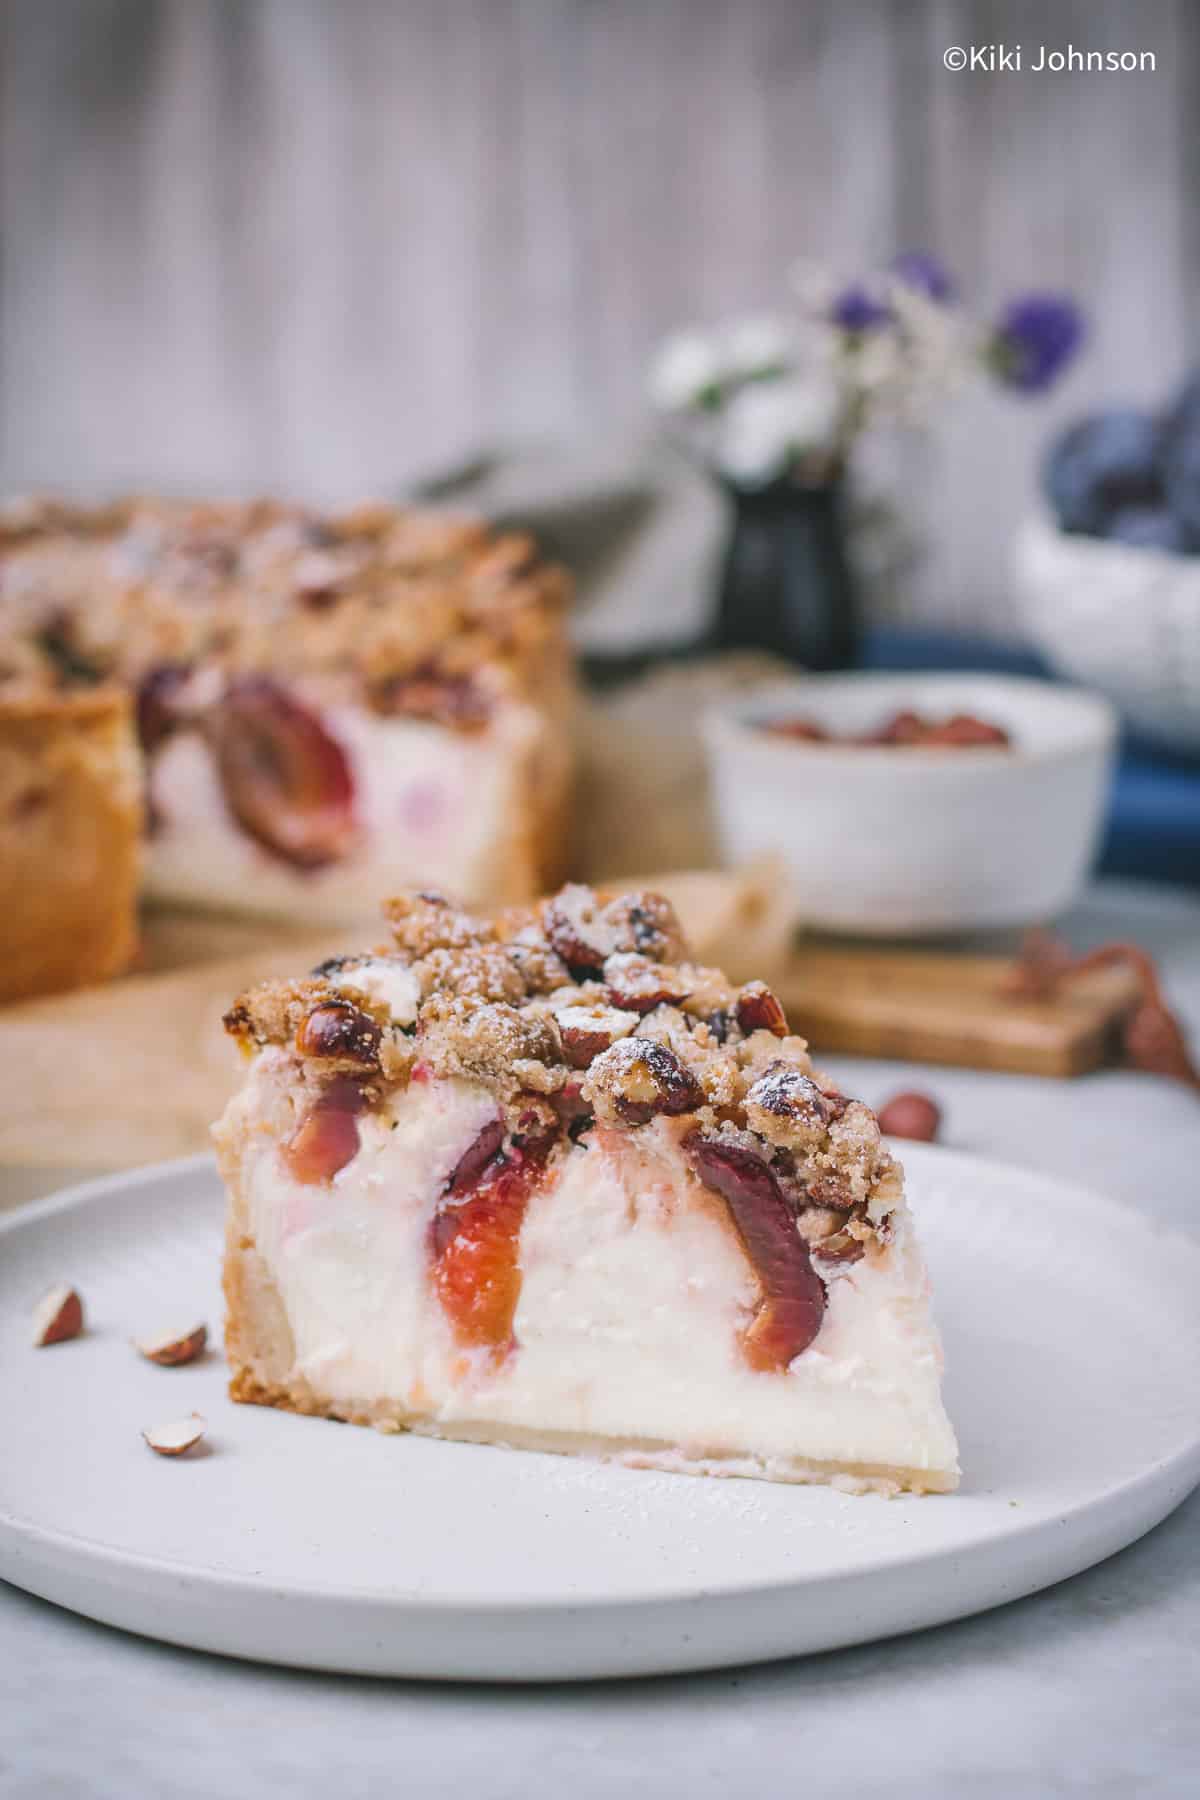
x: 756, y: 346
x: 878, y: 362
x: 770, y: 423
x: 687, y: 365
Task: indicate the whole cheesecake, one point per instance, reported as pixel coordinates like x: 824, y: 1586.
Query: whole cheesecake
x: 546, y: 1182
x: 329, y: 705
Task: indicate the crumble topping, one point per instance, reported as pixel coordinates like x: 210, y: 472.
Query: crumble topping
x: 585, y: 932
x: 273, y: 1012
x: 416, y: 612
x: 786, y: 1107
x: 587, y: 1010
x: 638, y: 1077
x: 507, y: 1047
x: 478, y: 972
x: 636, y: 982
x: 426, y: 920
x: 385, y: 985
x: 588, y: 1027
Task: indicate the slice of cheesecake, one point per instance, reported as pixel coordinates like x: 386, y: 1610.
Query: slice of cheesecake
x: 545, y: 1182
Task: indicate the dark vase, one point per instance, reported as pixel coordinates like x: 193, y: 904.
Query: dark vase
x: 786, y: 585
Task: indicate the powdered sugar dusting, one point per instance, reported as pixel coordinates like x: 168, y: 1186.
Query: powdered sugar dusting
x: 389, y: 983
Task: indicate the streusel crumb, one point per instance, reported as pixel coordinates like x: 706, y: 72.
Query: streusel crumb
x: 418, y: 614
x: 588, y: 1010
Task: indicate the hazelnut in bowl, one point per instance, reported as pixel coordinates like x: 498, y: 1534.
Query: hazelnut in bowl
x: 909, y: 805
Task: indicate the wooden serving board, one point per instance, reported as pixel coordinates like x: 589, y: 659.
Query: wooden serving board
x: 949, y: 1007
x: 138, y: 1069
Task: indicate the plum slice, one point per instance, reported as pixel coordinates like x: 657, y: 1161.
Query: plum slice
x: 476, y: 1244
x: 285, y: 780
x: 574, y: 1112
x: 475, y: 1237
x: 326, y: 1139
x: 158, y: 708
x: 469, y: 1170
x: 793, y: 1296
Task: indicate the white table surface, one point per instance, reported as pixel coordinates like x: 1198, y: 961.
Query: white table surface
x: 1092, y: 1688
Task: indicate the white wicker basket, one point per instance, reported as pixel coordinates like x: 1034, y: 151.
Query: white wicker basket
x: 1120, y: 619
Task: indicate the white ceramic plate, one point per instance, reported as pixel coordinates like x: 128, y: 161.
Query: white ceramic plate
x: 1073, y: 1343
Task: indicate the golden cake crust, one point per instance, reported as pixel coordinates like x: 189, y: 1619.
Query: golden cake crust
x: 70, y: 830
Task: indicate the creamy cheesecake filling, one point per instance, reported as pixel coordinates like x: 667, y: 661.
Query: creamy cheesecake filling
x: 430, y: 805
x: 635, y: 1293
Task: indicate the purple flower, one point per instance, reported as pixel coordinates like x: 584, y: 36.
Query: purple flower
x: 857, y: 309
x: 1035, y: 340
x: 921, y: 271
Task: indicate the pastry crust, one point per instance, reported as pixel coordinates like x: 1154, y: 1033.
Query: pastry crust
x: 70, y: 831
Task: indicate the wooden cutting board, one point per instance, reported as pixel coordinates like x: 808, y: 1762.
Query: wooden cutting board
x: 949, y: 1007
x: 138, y: 1069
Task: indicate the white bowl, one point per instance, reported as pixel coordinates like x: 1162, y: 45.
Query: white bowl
x: 887, y: 842
x: 1119, y: 618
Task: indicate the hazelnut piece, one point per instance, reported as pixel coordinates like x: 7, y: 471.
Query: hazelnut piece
x: 911, y: 1115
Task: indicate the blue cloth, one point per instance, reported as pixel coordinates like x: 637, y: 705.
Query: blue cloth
x: 1153, y: 828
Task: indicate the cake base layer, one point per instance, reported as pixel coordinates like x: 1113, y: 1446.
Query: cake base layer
x: 632, y: 1453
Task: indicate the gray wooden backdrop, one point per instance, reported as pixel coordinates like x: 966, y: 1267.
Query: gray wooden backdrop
x: 324, y: 247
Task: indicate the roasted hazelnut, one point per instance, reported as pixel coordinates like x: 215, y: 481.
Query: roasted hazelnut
x: 646, y: 923
x: 634, y: 982
x: 337, y: 1031
x: 638, y: 1077
x: 911, y: 1115
x: 575, y: 927
x: 787, y: 1107
x: 586, y: 1030
x: 759, y: 1010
